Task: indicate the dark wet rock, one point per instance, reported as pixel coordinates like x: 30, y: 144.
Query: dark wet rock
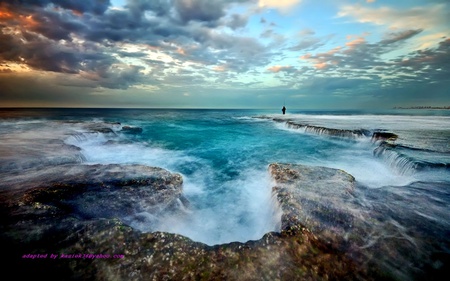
x: 384, y: 136
x: 77, y: 211
x: 320, y: 130
x: 326, y: 232
x: 131, y: 130
x: 317, y: 198
x: 100, y: 190
x: 392, y: 245
x: 100, y: 129
x: 164, y: 256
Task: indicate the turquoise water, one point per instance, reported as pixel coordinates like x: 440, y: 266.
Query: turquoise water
x: 223, y: 156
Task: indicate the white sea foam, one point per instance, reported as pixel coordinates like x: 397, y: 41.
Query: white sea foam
x: 389, y: 122
x: 102, y: 149
x: 231, y: 201
x: 240, y: 209
x: 246, y: 214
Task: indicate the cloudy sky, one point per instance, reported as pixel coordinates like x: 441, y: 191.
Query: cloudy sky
x: 225, y: 53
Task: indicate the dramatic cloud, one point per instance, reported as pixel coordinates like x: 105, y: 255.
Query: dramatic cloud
x: 97, y: 7
x: 156, y: 51
x: 201, y: 10
x: 365, y: 60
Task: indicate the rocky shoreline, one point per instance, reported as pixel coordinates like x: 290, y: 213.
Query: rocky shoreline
x: 63, y: 220
x: 78, y: 212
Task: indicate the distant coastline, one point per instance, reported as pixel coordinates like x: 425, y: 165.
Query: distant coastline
x: 422, y: 107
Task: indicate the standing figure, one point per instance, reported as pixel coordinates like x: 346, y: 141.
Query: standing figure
x: 284, y: 109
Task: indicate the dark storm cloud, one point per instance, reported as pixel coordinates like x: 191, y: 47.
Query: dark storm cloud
x: 183, y: 22
x: 116, y: 78
x: 42, y: 53
x: 38, y: 53
x: 33, y: 37
x: 207, y: 11
x: 241, y: 53
x: 8, y: 48
x: 158, y: 7
x: 56, y: 25
x: 97, y: 7
x: 200, y: 10
x: 236, y: 21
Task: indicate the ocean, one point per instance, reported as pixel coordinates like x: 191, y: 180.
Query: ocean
x: 223, y: 157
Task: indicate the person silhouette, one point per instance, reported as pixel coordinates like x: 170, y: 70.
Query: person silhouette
x: 284, y: 109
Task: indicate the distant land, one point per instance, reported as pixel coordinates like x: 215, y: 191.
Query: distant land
x: 423, y: 107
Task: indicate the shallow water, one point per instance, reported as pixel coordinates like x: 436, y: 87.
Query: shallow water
x: 223, y: 156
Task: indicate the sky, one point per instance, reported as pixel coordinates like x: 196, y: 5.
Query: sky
x: 306, y: 54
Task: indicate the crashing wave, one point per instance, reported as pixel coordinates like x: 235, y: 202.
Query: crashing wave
x: 320, y: 130
x: 340, y: 133
x: 398, y: 157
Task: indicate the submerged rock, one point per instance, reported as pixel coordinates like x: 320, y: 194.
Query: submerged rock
x: 131, y: 130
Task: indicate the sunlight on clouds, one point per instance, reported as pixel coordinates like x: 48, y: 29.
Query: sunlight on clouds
x: 429, y: 41
x: 305, y: 57
x: 28, y: 21
x: 432, y: 19
x: 14, y: 67
x: 324, y: 60
x: 181, y: 51
x: 5, y: 14
x: 321, y: 65
x: 278, y: 68
x: 355, y: 42
x: 161, y: 63
x: 240, y: 45
x: 283, y: 5
x: 148, y: 54
x: 220, y: 68
x: 422, y: 17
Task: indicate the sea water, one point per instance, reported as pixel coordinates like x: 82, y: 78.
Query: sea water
x: 223, y: 156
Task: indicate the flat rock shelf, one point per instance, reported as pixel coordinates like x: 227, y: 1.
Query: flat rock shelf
x: 79, y: 210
